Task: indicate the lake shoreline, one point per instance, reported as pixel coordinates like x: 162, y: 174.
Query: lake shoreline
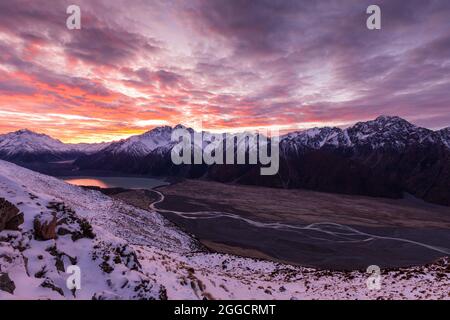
x: 108, y: 182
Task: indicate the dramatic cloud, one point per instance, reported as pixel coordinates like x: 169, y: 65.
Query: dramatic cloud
x: 228, y: 63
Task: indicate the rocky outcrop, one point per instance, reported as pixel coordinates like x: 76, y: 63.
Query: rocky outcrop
x: 45, y: 226
x: 69, y: 223
x: 10, y: 216
x: 6, y: 284
x: 61, y: 221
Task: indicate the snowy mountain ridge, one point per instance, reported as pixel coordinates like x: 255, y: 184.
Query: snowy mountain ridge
x: 384, y: 131
x: 141, y: 145
x: 29, y: 142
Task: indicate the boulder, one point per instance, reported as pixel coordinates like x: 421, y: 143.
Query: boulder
x: 10, y: 216
x: 6, y: 284
x: 45, y: 227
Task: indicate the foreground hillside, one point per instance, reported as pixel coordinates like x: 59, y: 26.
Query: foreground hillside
x: 128, y: 253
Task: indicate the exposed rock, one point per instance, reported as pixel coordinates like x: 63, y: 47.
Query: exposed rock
x: 50, y: 285
x: 17, y: 239
x: 10, y: 217
x: 15, y: 222
x: 45, y: 227
x: 86, y: 230
x: 68, y: 223
x: 78, y: 228
x: 114, y: 254
x: 59, y: 258
x: 106, y: 267
x: 6, y: 284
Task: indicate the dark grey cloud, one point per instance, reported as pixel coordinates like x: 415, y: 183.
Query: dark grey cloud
x: 404, y: 64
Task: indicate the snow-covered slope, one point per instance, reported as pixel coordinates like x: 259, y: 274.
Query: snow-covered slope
x: 393, y: 132
x: 445, y: 136
x: 55, y: 233
x: 315, y: 138
x: 87, y: 148
x: 143, y: 144
x: 129, y: 253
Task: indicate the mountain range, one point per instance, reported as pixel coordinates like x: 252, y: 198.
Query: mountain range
x: 385, y: 157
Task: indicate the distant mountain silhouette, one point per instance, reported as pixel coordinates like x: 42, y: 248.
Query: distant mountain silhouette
x: 384, y: 157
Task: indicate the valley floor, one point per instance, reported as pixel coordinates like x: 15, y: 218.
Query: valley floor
x: 305, y: 228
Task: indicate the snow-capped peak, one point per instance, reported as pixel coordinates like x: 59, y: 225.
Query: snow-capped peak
x: 179, y: 126
x: 388, y: 131
x: 318, y: 137
x: 141, y: 145
x: 28, y: 141
x: 26, y: 131
x: 390, y: 119
x: 385, y: 123
x: 25, y: 141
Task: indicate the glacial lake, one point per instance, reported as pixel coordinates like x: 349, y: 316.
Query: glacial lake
x: 116, y: 182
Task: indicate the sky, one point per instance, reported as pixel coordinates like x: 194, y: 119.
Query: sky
x: 228, y: 64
